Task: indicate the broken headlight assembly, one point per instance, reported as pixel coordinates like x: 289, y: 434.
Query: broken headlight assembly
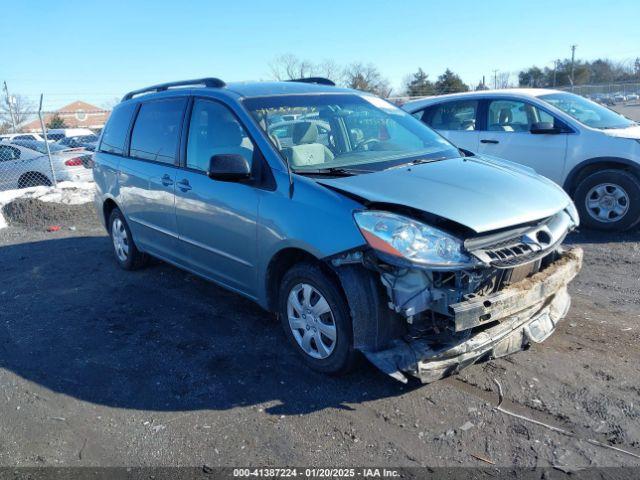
x: 400, y: 237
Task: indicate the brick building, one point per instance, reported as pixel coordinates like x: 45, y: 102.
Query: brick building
x: 75, y: 115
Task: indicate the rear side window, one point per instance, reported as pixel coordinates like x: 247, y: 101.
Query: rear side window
x: 156, y: 133
x: 115, y: 133
x: 8, y: 153
x: 460, y: 115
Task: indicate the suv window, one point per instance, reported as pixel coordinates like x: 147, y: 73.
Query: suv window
x: 156, y: 133
x: 214, y: 130
x: 514, y: 116
x: 115, y: 133
x: 460, y: 115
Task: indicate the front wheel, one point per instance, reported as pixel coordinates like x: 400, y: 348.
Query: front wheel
x: 315, y: 317
x: 609, y: 200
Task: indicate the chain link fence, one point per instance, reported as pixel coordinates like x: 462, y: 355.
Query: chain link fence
x: 48, y: 147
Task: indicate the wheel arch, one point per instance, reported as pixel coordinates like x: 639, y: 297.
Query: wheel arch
x: 280, y: 263
x: 587, y: 167
x: 108, y: 206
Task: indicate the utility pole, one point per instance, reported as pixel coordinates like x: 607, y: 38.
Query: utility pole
x: 573, y: 58
x: 555, y: 70
x: 10, y: 102
x: 495, y: 79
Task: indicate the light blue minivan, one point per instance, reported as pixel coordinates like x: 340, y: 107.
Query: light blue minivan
x: 364, y: 230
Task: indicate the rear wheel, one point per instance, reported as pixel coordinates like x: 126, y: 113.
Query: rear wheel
x: 609, y: 200
x: 33, y: 179
x: 315, y: 317
x: 127, y: 255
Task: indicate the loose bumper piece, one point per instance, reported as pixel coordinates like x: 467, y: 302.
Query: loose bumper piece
x: 524, y: 313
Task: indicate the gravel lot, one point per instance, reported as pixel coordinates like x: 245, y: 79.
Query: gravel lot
x: 104, y: 367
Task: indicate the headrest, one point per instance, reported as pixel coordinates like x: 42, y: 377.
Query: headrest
x: 304, y: 132
x: 505, y: 115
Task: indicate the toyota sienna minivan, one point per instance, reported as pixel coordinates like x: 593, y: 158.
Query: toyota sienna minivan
x: 378, y: 237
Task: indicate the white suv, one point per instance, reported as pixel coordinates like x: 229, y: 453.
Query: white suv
x: 593, y: 152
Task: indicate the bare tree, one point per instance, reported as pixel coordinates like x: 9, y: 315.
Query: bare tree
x: 20, y: 106
x: 109, y: 104
x: 290, y: 67
x: 502, y: 80
x: 328, y: 69
x: 366, y: 78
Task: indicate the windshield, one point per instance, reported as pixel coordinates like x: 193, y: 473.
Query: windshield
x: 587, y: 112
x: 39, y: 146
x: 323, y: 131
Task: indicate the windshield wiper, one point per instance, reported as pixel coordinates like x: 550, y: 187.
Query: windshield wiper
x: 334, y: 171
x: 419, y: 161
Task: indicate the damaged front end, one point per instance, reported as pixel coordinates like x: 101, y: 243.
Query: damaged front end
x: 487, y: 297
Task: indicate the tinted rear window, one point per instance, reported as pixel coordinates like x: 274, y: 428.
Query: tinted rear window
x: 156, y: 132
x: 115, y: 133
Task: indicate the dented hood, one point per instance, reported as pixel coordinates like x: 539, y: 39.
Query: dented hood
x: 480, y: 193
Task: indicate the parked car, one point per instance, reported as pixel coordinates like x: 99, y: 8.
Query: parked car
x: 394, y: 245
x: 632, y: 96
x: 56, y: 134
x: 619, y: 97
x: 26, y: 164
x: 88, y: 142
x: 593, y: 152
x: 8, y: 137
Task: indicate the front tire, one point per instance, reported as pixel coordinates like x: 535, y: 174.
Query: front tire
x: 316, y: 320
x: 609, y: 200
x: 127, y: 254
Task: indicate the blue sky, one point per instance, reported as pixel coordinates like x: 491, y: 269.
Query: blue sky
x: 98, y: 50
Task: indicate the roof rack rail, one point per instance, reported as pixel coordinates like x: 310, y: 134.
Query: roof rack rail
x: 207, y: 82
x: 318, y: 80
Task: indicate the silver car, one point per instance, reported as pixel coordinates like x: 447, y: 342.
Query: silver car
x: 379, y: 238
x: 25, y: 164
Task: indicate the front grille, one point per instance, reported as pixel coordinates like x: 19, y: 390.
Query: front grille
x: 522, y: 245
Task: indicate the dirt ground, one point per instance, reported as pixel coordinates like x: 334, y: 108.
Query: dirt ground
x: 104, y: 367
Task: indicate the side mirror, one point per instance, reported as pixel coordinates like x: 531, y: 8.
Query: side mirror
x: 229, y: 168
x: 542, y: 128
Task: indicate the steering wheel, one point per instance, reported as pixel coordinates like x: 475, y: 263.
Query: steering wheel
x: 364, y: 143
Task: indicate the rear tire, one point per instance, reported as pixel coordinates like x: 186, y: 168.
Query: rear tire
x: 609, y: 200
x: 316, y: 320
x: 33, y: 179
x: 127, y: 254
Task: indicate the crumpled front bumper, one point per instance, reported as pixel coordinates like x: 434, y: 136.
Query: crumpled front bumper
x: 524, y: 313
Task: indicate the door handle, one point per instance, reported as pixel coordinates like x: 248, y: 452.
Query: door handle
x: 166, y: 180
x: 184, y: 185
x: 484, y: 140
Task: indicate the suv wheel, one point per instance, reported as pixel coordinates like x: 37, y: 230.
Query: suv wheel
x: 315, y: 317
x: 127, y: 255
x: 609, y: 200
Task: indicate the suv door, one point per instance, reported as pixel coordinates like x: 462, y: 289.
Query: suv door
x: 456, y: 121
x: 217, y: 219
x: 508, y: 135
x: 147, y: 177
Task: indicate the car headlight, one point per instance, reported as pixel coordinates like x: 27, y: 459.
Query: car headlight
x: 414, y: 241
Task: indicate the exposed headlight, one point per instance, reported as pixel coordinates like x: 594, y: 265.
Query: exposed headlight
x: 573, y: 213
x: 404, y: 237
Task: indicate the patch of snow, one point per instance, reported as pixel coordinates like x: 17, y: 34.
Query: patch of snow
x: 69, y: 193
